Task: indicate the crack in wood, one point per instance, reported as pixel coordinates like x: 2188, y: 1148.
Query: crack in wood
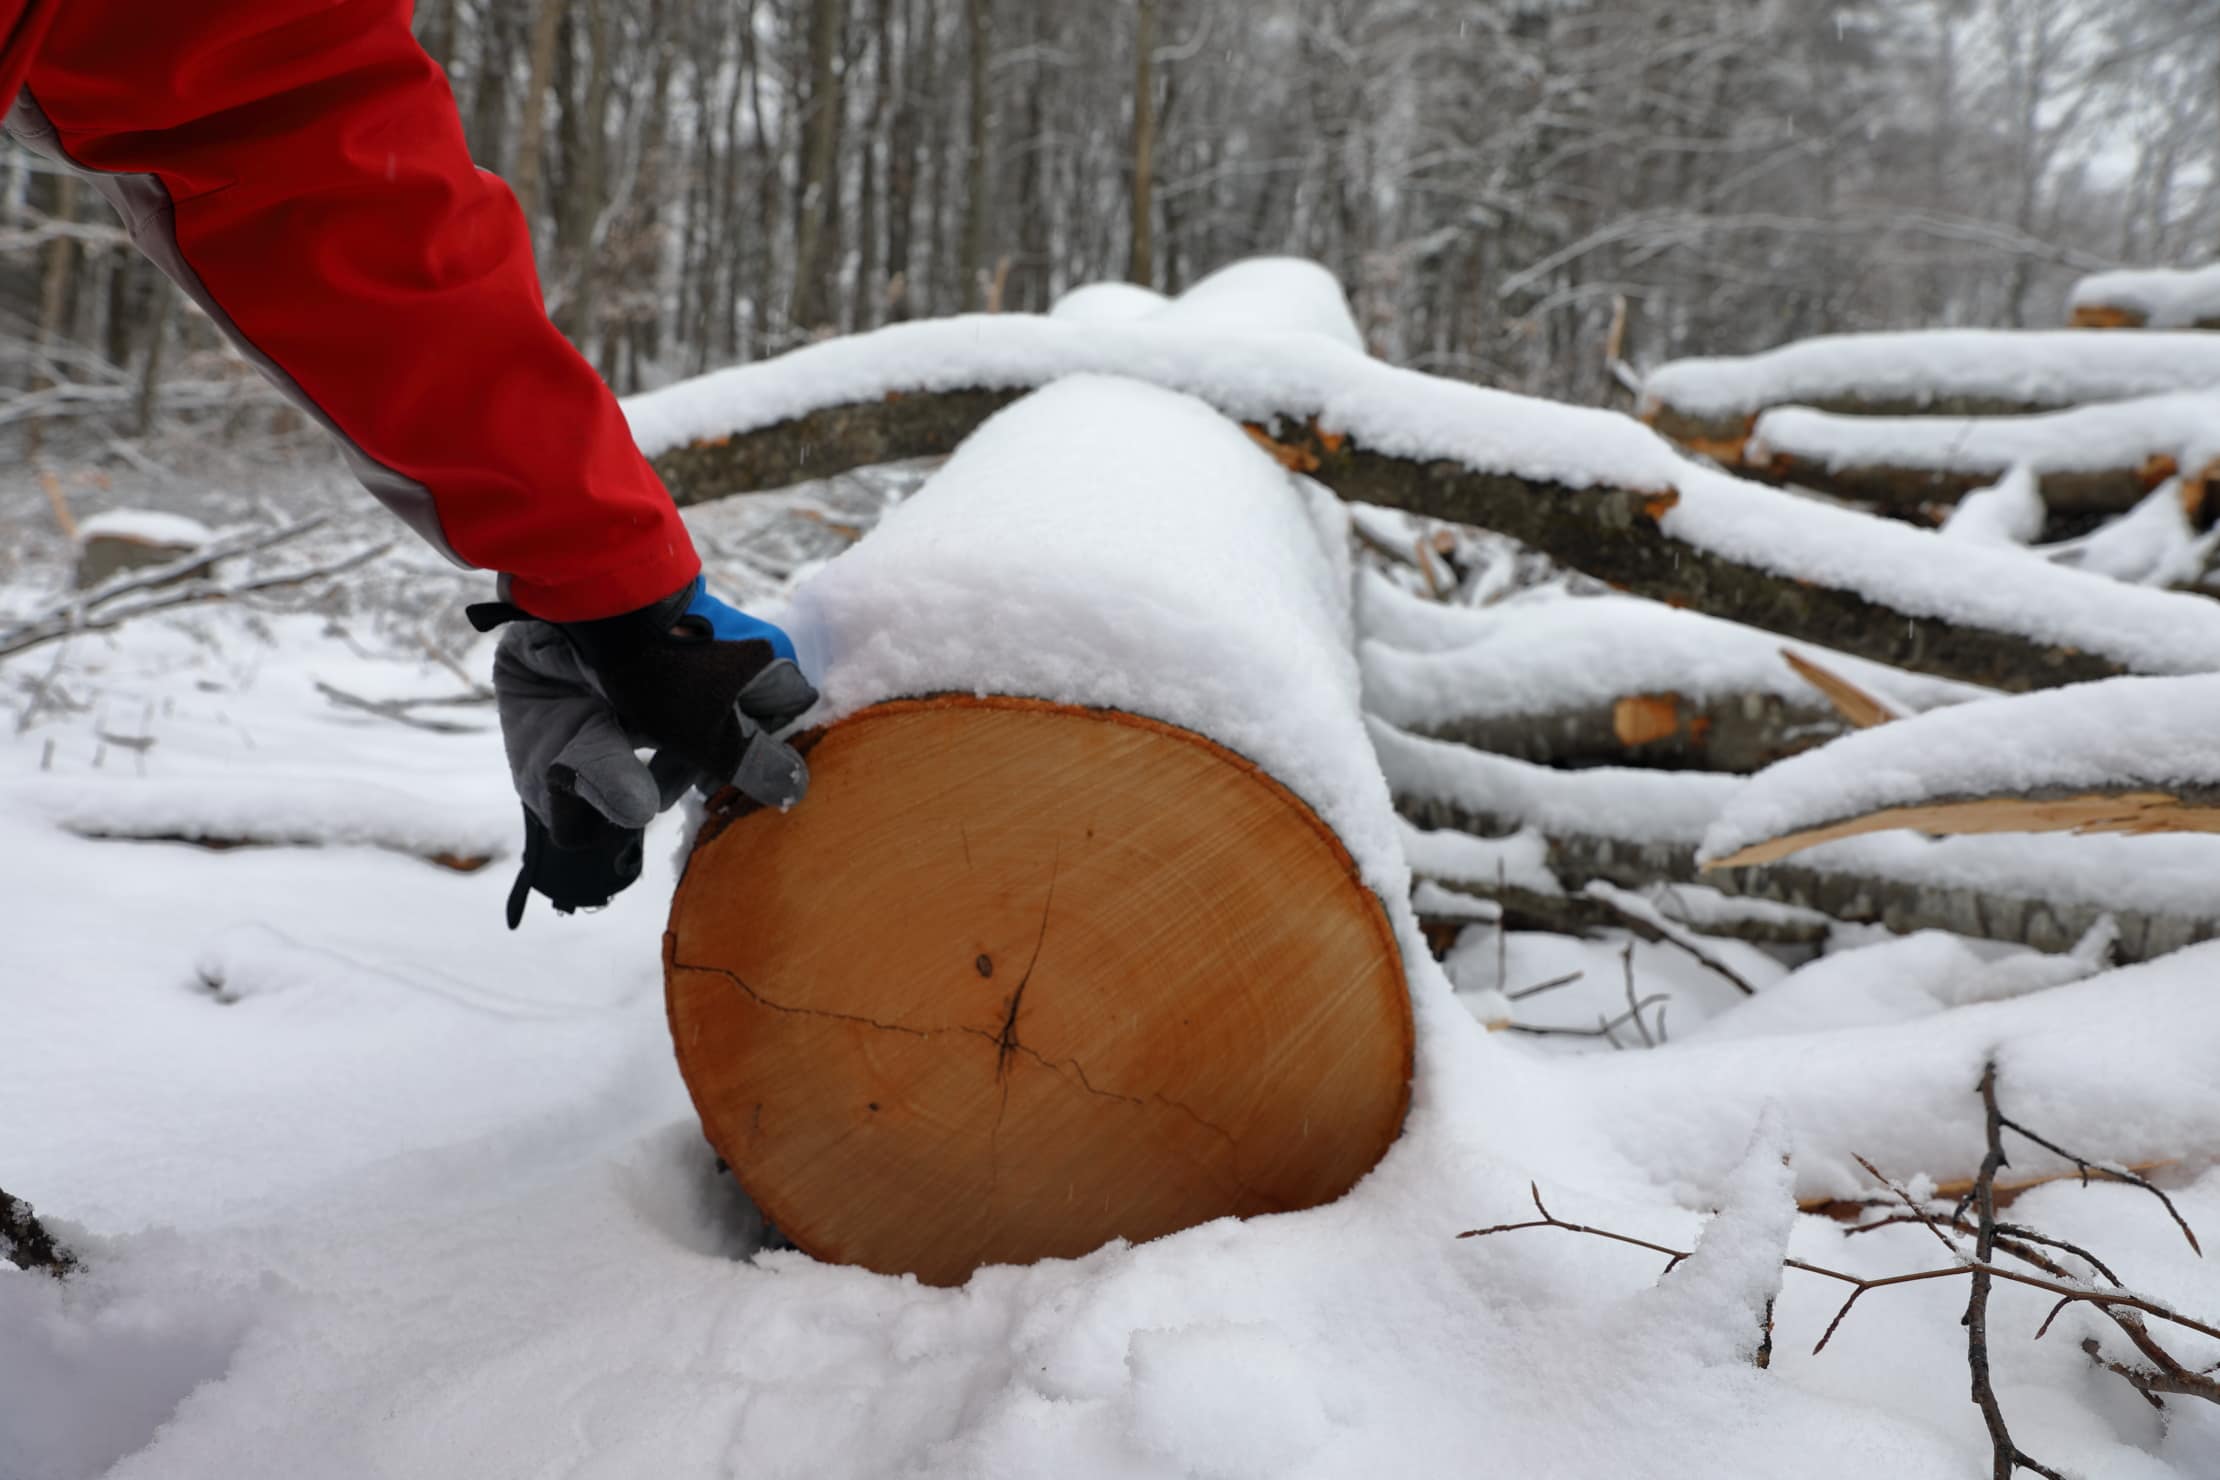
x: 825, y: 1012
x: 1006, y: 1043
x: 1007, y: 1040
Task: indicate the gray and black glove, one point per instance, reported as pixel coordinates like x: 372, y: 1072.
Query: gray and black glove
x: 705, y: 687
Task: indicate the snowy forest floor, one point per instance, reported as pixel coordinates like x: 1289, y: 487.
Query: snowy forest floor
x: 365, y: 1185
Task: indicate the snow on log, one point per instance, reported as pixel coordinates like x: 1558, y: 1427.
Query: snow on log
x: 2159, y: 542
x: 1640, y: 828
x: 441, y: 820
x: 1584, y: 680
x: 1107, y: 303
x: 2151, y: 297
x: 2008, y: 512
x: 1079, y: 934
x: 130, y: 539
x: 2128, y: 756
x: 1592, y: 489
x: 1709, y: 404
x: 2088, y: 461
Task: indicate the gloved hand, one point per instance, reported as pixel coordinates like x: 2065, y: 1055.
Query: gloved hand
x: 701, y: 684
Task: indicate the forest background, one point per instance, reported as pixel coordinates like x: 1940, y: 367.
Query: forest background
x: 1542, y: 195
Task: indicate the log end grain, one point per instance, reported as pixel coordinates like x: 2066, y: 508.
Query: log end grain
x: 2105, y: 316
x: 1019, y: 979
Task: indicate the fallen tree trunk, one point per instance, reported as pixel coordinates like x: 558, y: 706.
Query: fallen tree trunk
x: 1079, y: 934
x: 2089, y: 462
x: 1734, y: 733
x: 2132, y: 756
x: 1638, y: 829
x: 1611, y: 680
x: 1710, y: 405
x: 1596, y: 492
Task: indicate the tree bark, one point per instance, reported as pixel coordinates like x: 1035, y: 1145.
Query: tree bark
x: 1612, y: 534
x: 525, y: 178
x: 1734, y: 733
x: 1910, y: 491
x: 815, y: 244
x: 1140, y: 251
x: 2043, y: 922
x: 55, y: 277
x: 901, y: 166
x: 971, y: 262
x: 870, y: 286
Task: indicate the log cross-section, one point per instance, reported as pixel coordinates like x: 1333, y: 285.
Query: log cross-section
x: 1020, y: 978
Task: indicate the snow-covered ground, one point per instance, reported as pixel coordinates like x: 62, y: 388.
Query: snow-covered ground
x: 367, y: 1186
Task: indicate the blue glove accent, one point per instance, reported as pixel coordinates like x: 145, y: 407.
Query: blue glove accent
x: 730, y: 624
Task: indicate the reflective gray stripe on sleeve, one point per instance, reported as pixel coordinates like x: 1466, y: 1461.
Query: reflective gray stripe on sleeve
x: 151, y: 220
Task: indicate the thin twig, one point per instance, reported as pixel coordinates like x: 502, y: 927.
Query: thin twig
x: 52, y: 628
x: 223, y: 547
x: 1540, y: 987
x: 2150, y: 1383
x: 397, y: 710
x: 1633, y: 1007
x: 1601, y: 1030
x: 1653, y: 927
x: 2005, y: 1455
x: 1551, y: 1220
x: 2110, y: 1172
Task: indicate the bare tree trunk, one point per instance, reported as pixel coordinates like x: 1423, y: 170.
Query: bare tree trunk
x: 819, y: 178
x: 761, y: 263
x: 901, y: 167
x: 972, y: 261
x: 435, y: 31
x: 54, y: 281
x: 587, y: 197
x: 1030, y: 269
x: 532, y: 128
x: 870, y: 298
x: 489, y: 86
x: 1140, y: 254
x: 159, y: 313
x: 934, y: 287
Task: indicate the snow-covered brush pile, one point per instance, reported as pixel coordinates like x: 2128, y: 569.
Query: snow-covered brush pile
x: 358, y: 1184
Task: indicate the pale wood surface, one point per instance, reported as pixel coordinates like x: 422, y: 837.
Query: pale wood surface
x: 1020, y: 978
x: 2132, y: 812
x: 1858, y: 708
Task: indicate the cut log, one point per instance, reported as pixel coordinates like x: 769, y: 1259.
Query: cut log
x: 2131, y: 756
x: 1612, y: 680
x: 1078, y: 935
x: 1637, y: 829
x: 1116, y: 982
x: 1737, y: 733
x: 1590, y: 489
x: 2152, y: 297
x: 130, y: 539
x: 1710, y: 405
x: 2089, y: 462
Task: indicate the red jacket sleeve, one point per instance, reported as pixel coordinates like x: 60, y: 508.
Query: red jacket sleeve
x: 300, y: 169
